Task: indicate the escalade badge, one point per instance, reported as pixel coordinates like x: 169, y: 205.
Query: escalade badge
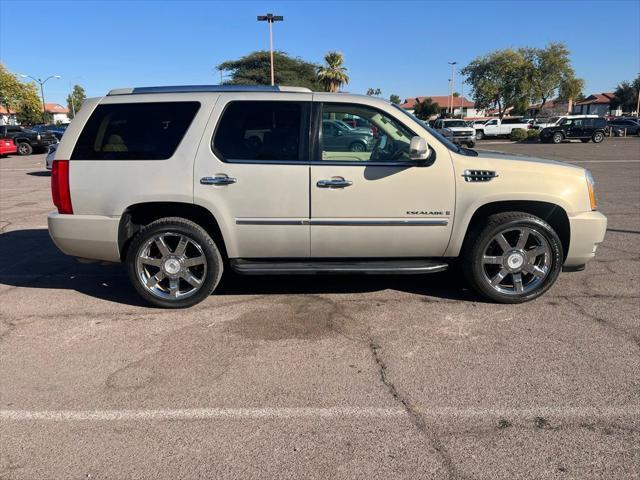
x: 428, y: 212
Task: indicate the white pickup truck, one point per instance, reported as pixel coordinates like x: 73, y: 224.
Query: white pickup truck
x: 497, y: 127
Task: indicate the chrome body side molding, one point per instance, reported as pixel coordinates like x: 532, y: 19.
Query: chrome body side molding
x: 351, y: 223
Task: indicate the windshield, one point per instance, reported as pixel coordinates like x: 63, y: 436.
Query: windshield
x: 441, y: 138
x: 455, y: 123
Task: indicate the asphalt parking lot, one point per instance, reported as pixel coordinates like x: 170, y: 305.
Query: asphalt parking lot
x: 320, y: 377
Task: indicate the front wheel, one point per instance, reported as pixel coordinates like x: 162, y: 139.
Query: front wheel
x: 598, y: 137
x: 174, y: 263
x: 471, y: 144
x: 357, y: 147
x: 514, y: 258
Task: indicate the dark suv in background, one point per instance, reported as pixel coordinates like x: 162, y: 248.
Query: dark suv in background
x: 27, y: 141
x: 579, y: 128
x: 621, y: 125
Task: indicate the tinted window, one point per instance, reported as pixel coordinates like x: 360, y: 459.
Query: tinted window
x: 260, y: 131
x: 600, y: 122
x: 508, y: 121
x: 134, y: 131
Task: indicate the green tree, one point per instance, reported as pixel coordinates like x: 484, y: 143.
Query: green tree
x: 571, y: 90
x: 627, y: 95
x: 333, y: 75
x: 395, y: 99
x: 19, y: 97
x: 75, y: 100
x: 374, y: 92
x: 497, y: 79
x: 425, y: 109
x: 255, y: 69
x: 546, y: 70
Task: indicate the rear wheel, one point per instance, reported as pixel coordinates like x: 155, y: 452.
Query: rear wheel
x: 174, y: 263
x: 514, y: 258
x: 557, y: 137
x: 479, y: 134
x: 25, y: 148
x: 598, y: 137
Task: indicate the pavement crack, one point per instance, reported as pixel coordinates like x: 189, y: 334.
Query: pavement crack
x: 621, y: 332
x: 414, y: 416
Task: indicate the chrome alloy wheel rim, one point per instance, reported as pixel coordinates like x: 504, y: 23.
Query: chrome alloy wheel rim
x: 516, y: 261
x: 171, y: 266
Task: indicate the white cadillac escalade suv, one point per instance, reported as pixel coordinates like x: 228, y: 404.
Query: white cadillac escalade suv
x: 176, y: 183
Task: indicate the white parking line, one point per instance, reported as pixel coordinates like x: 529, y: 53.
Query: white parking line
x: 629, y: 411
x: 602, y: 161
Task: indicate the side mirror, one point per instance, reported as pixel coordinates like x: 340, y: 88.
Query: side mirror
x: 418, y: 149
x: 339, y: 133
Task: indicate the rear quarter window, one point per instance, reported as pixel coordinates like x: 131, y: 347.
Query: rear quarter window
x: 134, y: 131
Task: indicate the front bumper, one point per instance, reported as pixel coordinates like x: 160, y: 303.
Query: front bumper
x: 587, y: 232
x: 86, y: 236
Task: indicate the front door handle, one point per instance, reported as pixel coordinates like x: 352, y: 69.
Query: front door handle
x: 219, y: 179
x: 334, y: 182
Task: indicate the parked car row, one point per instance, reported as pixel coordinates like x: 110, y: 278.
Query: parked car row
x: 26, y: 140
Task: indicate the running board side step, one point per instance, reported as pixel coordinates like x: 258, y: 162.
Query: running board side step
x: 311, y: 267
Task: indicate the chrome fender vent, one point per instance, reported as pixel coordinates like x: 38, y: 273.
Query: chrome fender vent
x: 479, y: 175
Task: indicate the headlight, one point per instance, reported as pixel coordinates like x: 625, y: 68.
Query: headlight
x: 592, y: 191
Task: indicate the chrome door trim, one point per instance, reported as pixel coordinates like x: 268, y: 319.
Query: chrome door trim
x: 350, y: 223
x: 266, y: 221
x: 371, y: 223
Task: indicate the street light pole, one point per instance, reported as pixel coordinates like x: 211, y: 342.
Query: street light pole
x: 41, y: 83
x: 453, y: 82
x: 270, y: 18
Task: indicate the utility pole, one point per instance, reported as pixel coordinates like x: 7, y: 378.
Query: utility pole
x: 270, y: 18
x: 461, y: 99
x: 41, y: 83
x: 449, y: 96
x: 453, y: 82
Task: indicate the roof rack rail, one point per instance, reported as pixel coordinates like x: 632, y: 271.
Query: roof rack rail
x: 207, y: 88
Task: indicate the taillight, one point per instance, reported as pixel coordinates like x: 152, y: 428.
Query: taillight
x: 60, y: 186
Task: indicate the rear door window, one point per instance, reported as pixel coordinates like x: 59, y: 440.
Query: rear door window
x: 262, y: 131
x: 134, y: 131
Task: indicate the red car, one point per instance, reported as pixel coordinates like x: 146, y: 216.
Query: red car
x: 7, y: 146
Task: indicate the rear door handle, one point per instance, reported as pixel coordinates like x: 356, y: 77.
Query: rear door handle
x: 219, y: 179
x: 334, y: 182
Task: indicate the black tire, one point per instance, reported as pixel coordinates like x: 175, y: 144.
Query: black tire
x: 598, y: 137
x: 471, y: 144
x: 479, y: 134
x: 180, y: 226
x: 557, y: 138
x: 585, y: 140
x: 480, y: 239
x: 25, y: 148
x: 357, y: 147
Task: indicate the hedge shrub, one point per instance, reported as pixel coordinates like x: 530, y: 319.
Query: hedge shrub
x: 533, y: 133
x: 518, y: 134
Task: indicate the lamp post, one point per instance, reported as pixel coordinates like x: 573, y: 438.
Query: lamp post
x: 453, y: 81
x: 41, y: 83
x: 270, y: 18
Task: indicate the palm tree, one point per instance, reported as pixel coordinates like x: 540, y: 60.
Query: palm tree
x: 333, y: 75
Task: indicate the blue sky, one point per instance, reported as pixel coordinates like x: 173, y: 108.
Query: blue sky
x: 401, y: 47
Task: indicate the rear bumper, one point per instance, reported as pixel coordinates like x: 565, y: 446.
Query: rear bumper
x: 587, y: 232
x: 86, y: 236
